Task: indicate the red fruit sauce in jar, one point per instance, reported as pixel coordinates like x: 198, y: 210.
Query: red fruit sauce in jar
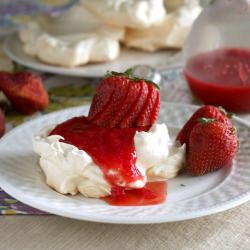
x: 221, y: 77
x: 113, y: 150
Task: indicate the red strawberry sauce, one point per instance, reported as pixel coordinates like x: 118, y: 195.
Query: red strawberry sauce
x: 221, y: 77
x: 112, y: 149
x: 152, y: 193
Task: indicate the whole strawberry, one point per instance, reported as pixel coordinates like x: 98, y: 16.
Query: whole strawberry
x: 25, y: 91
x: 212, y: 145
x: 2, y: 123
x: 124, y: 101
x: 207, y: 111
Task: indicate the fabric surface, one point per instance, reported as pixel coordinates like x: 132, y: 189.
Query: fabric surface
x: 229, y: 230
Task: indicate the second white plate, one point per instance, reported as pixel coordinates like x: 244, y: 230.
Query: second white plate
x: 188, y: 197
x: 127, y: 59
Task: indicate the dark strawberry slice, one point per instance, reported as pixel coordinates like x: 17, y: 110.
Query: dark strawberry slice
x: 103, y: 95
x: 104, y: 118
x: 132, y: 115
x: 128, y: 104
x: 144, y: 118
x: 156, y: 109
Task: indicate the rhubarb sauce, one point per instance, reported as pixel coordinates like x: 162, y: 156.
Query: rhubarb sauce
x: 221, y: 77
x: 113, y: 150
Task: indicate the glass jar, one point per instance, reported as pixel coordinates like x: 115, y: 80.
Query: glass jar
x: 217, y: 55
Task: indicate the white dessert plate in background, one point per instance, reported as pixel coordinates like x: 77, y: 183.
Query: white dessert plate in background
x: 188, y: 197
x: 127, y: 58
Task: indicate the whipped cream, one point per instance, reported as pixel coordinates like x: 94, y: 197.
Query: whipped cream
x: 127, y: 13
x: 73, y: 38
x: 171, y: 32
x: 69, y: 170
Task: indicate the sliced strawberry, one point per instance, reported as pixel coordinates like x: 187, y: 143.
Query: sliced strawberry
x: 144, y: 118
x: 122, y: 99
x: 137, y: 106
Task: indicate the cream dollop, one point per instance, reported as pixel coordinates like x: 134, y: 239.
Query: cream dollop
x: 69, y: 170
x: 73, y: 38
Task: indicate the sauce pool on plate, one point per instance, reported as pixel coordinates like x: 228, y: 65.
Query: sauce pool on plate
x: 153, y: 193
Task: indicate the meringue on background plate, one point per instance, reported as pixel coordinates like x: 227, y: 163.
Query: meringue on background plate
x: 92, y: 31
x: 171, y: 32
x: 128, y: 13
x: 73, y: 38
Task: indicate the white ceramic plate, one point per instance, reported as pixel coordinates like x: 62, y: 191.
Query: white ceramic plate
x: 188, y: 197
x: 128, y: 58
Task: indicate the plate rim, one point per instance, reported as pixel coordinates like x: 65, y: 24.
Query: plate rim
x: 52, y: 69
x: 244, y: 197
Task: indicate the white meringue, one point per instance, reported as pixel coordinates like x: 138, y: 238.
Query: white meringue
x: 69, y: 170
x: 170, y: 33
x: 71, y: 39
x: 127, y: 13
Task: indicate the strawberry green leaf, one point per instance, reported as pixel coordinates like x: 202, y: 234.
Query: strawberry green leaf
x: 206, y: 120
x: 129, y: 74
x: 234, y: 130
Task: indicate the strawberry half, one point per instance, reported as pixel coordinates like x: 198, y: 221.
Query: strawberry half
x: 25, y: 91
x: 212, y: 145
x: 125, y: 101
x: 2, y: 124
x: 207, y: 111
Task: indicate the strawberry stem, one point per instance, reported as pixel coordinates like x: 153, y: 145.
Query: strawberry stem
x: 234, y: 130
x: 205, y: 120
x: 129, y: 74
x: 17, y: 68
x: 224, y: 112
x: 230, y: 115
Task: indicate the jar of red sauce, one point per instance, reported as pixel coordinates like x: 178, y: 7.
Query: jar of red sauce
x: 217, y: 55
